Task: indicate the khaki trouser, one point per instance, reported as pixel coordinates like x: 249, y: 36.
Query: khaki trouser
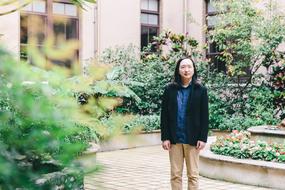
x: 177, y: 154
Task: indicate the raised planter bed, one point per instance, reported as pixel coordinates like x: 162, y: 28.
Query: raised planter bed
x: 245, y: 171
x: 88, y: 158
x: 126, y: 141
x: 267, y: 133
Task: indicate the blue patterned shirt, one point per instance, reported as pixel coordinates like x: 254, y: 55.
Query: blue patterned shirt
x: 183, y: 95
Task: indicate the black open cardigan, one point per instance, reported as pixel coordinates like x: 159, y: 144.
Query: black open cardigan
x: 197, y: 114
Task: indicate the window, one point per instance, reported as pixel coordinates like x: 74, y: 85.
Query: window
x: 149, y: 21
x: 57, y: 18
x: 213, y: 50
x: 36, y: 6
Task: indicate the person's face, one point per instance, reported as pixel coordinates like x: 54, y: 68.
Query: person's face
x: 186, y: 69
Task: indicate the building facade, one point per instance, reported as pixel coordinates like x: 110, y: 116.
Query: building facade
x: 106, y: 24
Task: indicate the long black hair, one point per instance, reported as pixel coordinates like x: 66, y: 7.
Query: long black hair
x: 177, y: 77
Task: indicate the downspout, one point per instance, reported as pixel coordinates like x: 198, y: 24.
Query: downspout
x: 96, y: 30
x: 185, y: 16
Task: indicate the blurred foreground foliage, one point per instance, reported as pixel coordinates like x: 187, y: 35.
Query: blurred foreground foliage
x: 45, y: 125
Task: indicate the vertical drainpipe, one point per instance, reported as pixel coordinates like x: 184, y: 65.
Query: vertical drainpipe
x: 97, y: 22
x: 99, y: 16
x: 184, y: 16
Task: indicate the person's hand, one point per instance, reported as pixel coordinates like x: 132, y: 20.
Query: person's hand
x: 166, y: 145
x: 200, y: 145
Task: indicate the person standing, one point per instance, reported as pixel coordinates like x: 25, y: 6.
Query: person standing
x: 184, y: 123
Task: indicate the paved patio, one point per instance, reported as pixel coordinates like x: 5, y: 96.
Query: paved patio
x: 145, y: 168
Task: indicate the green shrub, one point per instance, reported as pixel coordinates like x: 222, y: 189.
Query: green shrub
x: 229, y: 112
x: 147, y: 123
x: 145, y: 78
x: 248, y: 40
x: 44, y: 129
x: 148, y: 76
x: 35, y: 125
x: 233, y: 103
x: 217, y: 112
x: 278, y: 84
x: 99, y: 97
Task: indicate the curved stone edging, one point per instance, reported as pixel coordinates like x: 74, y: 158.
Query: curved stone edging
x: 126, y: 141
x: 267, y: 133
x: 88, y: 158
x: 245, y: 171
x: 264, y: 129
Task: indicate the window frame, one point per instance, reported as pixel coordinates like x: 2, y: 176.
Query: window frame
x: 149, y: 26
x: 213, y: 55
x: 49, y: 17
x: 220, y: 66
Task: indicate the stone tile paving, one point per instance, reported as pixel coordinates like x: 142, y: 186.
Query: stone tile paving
x: 145, y: 168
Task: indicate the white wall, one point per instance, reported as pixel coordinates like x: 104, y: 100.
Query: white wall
x: 118, y: 23
x: 88, y: 32
x: 196, y: 21
x: 10, y: 29
x: 171, y: 15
